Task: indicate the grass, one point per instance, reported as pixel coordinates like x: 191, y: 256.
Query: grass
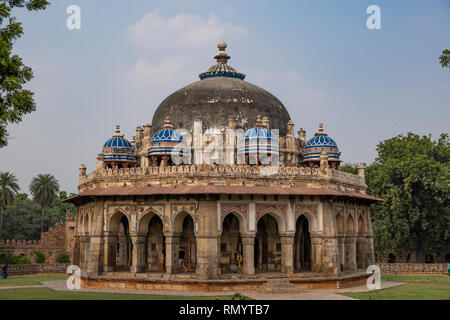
x: 30, y: 280
x: 49, y: 294
x: 45, y: 293
x: 416, y: 287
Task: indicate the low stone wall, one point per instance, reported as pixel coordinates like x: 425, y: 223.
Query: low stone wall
x: 424, y: 268
x: 37, y: 268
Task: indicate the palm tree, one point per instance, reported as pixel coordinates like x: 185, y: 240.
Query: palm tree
x: 44, y: 188
x: 8, y: 191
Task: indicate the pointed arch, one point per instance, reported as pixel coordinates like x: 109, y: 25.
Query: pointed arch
x: 312, y: 219
x: 241, y: 219
x: 145, y: 219
x: 350, y: 226
x: 281, y: 224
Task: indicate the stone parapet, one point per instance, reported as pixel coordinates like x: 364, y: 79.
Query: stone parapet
x: 217, y: 174
x: 411, y: 268
x: 37, y: 268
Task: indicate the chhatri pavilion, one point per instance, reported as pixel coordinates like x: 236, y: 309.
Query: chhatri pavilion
x: 221, y: 168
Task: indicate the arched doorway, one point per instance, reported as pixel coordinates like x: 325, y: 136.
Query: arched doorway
x: 154, y: 244
x: 302, y: 241
x: 188, y: 243
x: 267, y: 245
x: 230, y: 240
x: 119, y: 227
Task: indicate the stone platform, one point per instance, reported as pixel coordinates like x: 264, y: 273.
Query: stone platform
x: 186, y: 282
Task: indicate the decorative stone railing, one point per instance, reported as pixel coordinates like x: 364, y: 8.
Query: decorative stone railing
x: 347, y: 177
x: 228, y: 170
x: 209, y: 169
x: 430, y: 268
x: 37, y: 268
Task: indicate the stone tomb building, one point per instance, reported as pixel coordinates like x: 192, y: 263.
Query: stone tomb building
x: 235, y: 177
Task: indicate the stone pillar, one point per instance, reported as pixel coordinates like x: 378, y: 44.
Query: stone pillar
x: 100, y: 161
x: 287, y: 253
x: 370, y: 255
x: 361, y: 247
x: 76, y: 260
x: 362, y: 171
x: 207, y: 257
x: 172, y: 245
x: 137, y: 256
x: 82, y: 251
x: 316, y: 253
x: 94, y: 249
x: 109, y: 247
x: 341, y: 248
x: 248, y: 243
x: 350, y: 248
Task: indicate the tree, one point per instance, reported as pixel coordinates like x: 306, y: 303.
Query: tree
x: 15, y: 101
x: 349, y: 167
x: 444, y: 59
x: 44, y: 188
x: 22, y: 218
x: 8, y: 191
x: 412, y: 175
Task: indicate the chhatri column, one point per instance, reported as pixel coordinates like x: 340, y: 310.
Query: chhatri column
x: 248, y: 243
x: 172, y: 245
x: 287, y: 253
x: 137, y: 255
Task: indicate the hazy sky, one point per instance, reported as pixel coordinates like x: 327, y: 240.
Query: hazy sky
x: 317, y: 57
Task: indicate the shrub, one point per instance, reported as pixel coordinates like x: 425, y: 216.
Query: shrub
x: 39, y: 257
x: 24, y: 260
x: 8, y: 257
x: 63, y: 258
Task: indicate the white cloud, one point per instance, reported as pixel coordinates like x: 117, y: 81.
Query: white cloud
x: 173, y: 51
x: 155, y: 33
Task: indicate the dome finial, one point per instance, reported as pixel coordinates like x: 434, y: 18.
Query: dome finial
x: 222, y: 57
x: 117, y: 131
x: 320, y: 132
x: 167, y: 123
x: 259, y: 123
x: 321, y: 127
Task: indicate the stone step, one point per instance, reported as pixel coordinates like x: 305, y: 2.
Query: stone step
x: 279, y: 286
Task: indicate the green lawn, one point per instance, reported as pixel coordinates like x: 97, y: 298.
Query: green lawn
x: 416, y: 287
x: 49, y: 294
x: 30, y: 280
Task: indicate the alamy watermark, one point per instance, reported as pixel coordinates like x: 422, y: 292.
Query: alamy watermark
x: 374, y: 20
x: 73, y: 22
x: 74, y: 279
x: 374, y: 280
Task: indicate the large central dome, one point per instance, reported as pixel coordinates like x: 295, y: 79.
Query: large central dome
x: 221, y: 94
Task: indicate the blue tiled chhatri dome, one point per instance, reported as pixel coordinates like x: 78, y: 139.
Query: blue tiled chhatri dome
x: 165, y: 141
x: 118, y: 149
x: 260, y: 139
x: 321, y: 142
